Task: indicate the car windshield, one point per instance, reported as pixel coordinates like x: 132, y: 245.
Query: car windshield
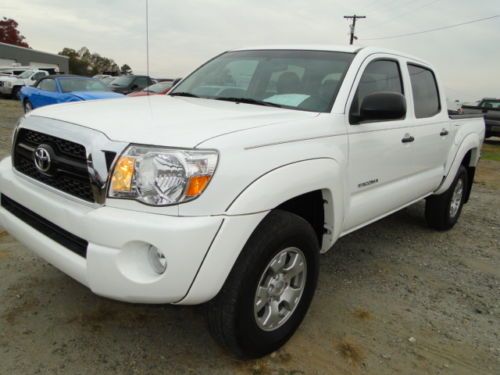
x: 302, y: 80
x: 81, y: 84
x: 26, y: 74
x: 490, y: 104
x: 122, y: 81
x: 159, y: 87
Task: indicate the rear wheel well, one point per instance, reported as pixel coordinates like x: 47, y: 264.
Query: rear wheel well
x: 310, y: 207
x: 471, y: 170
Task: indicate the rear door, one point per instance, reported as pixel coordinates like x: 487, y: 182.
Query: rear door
x: 431, y: 127
x: 380, y: 152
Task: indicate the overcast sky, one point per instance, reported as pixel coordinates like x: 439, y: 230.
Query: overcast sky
x: 185, y: 33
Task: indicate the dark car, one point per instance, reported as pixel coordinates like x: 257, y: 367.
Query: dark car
x: 130, y: 83
x: 490, y: 108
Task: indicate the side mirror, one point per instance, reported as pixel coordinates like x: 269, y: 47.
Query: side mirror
x: 383, y: 106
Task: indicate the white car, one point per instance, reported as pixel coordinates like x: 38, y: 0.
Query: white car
x: 11, y: 85
x: 227, y: 190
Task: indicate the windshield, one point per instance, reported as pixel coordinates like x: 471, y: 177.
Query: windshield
x: 26, y: 74
x: 122, y: 81
x: 81, y: 84
x: 302, y: 80
x: 490, y: 103
x: 159, y: 87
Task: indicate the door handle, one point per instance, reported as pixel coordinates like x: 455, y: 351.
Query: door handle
x: 443, y: 133
x: 408, y: 138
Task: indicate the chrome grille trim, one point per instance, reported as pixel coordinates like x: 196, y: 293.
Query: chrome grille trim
x: 96, y: 145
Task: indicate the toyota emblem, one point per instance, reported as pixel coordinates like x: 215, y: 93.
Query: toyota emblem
x: 42, y: 158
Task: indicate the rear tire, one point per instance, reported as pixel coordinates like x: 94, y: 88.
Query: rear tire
x: 442, y: 211
x: 252, y: 315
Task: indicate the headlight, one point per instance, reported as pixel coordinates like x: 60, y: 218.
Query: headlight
x: 162, y: 176
x: 8, y: 84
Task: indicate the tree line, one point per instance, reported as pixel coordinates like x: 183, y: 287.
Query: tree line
x: 81, y: 62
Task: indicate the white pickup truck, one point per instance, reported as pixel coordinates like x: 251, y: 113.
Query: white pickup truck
x: 227, y: 190
x: 11, y: 85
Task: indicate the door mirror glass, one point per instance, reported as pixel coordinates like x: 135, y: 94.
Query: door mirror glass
x: 381, y: 106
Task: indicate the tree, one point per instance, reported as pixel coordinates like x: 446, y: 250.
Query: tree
x: 83, y: 62
x: 125, y: 69
x: 10, y: 34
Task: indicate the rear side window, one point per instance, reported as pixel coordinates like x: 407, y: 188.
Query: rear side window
x: 379, y: 76
x: 425, y: 91
x: 47, y: 85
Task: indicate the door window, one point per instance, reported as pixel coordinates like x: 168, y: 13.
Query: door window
x: 47, y: 85
x: 379, y: 76
x: 425, y: 91
x: 37, y: 76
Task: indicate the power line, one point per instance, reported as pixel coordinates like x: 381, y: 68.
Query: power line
x: 435, y: 29
x: 353, y: 26
x: 405, y: 12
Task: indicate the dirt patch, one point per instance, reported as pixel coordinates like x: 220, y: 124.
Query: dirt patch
x: 350, y: 351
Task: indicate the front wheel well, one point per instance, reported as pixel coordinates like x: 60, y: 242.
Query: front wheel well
x: 309, y: 206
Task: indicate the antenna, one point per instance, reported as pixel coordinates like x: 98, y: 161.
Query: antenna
x: 147, y: 39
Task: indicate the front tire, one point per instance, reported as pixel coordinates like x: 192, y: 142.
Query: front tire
x: 442, y: 211
x: 27, y: 106
x: 269, y: 289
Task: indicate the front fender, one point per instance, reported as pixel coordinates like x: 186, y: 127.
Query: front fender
x: 470, y: 142
x: 289, y: 181
x: 251, y: 206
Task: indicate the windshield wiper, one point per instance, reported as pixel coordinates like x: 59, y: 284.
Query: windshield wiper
x: 249, y: 101
x: 184, y: 93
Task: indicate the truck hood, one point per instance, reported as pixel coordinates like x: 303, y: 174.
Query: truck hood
x: 166, y: 120
x: 6, y: 78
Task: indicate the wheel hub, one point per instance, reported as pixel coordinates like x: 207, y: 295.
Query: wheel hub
x: 280, y: 288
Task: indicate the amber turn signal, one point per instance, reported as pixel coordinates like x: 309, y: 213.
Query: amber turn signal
x: 123, y: 174
x: 196, y: 185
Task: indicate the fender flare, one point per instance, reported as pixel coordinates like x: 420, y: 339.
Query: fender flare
x: 471, y: 142
x: 292, y: 180
x: 252, y: 205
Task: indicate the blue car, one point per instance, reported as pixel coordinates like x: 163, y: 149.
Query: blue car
x: 63, y: 89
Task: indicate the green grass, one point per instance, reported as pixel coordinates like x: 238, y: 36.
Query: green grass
x: 491, y: 151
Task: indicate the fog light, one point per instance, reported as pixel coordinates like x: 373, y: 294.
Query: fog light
x: 157, y: 260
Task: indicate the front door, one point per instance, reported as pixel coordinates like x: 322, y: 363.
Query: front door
x: 380, y: 152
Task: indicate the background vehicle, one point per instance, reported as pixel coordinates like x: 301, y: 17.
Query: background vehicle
x: 14, y: 70
x: 62, y: 89
x: 11, y: 85
x: 490, y: 108
x: 160, y: 88
x: 227, y: 189
x: 130, y: 83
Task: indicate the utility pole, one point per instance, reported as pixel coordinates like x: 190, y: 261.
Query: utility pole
x: 353, y: 26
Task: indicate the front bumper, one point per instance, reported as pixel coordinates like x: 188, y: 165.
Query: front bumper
x: 116, y: 265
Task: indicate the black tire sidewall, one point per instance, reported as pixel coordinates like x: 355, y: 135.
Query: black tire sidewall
x: 253, y: 340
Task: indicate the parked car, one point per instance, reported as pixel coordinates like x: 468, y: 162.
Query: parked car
x: 490, y: 108
x: 13, y: 70
x: 11, y: 85
x: 160, y: 88
x: 107, y: 80
x: 230, y: 198
x: 63, y: 89
x: 102, y: 76
x: 130, y: 83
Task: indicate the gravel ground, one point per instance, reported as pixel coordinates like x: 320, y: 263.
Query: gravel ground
x: 393, y: 298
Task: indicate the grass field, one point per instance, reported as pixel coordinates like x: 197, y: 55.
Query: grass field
x: 491, y: 150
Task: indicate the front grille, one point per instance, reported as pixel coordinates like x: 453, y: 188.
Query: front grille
x: 63, y: 237
x: 68, y: 171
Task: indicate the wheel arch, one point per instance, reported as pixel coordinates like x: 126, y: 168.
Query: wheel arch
x: 467, y: 154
